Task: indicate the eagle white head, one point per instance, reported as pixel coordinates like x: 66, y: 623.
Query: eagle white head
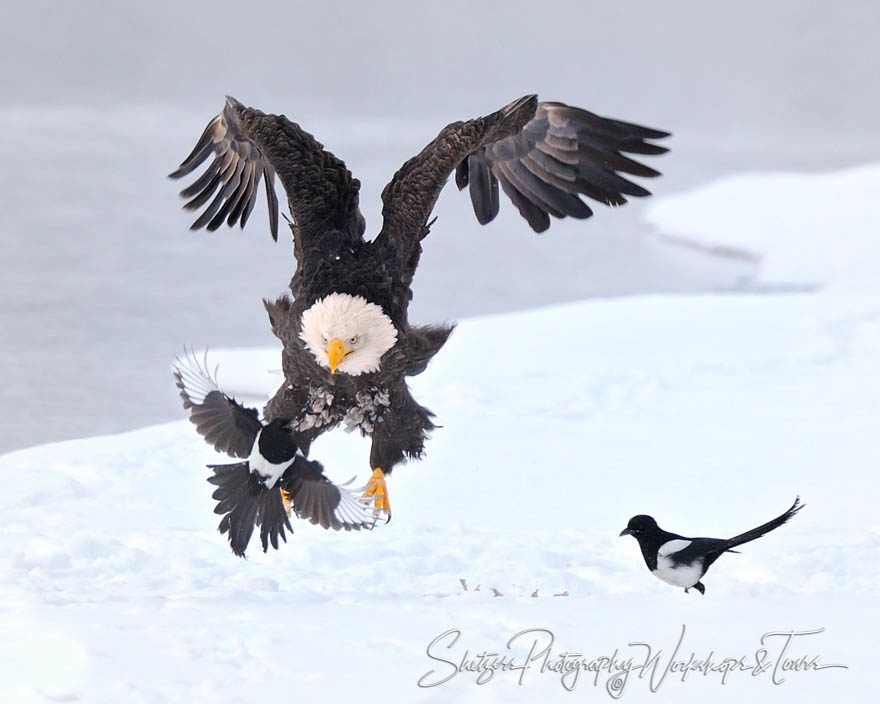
x: 347, y: 333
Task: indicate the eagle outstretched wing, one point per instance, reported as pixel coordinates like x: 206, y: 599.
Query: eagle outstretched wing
x: 543, y: 155
x: 563, y: 152
x: 248, y: 145
x: 409, y: 198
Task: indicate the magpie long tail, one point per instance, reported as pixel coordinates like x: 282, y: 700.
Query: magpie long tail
x: 754, y: 533
x: 245, y: 503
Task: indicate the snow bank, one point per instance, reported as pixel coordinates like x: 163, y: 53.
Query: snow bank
x: 806, y: 229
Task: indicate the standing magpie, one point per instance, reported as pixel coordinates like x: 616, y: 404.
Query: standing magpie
x: 274, y: 476
x: 683, y: 561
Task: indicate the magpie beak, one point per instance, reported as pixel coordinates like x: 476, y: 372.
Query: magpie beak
x: 625, y: 531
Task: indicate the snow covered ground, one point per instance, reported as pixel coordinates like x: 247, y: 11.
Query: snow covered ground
x: 709, y: 412
x: 805, y: 229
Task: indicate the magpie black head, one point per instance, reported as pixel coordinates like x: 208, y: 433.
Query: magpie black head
x: 640, y: 525
x: 276, y: 441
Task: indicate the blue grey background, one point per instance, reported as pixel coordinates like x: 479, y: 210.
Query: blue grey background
x: 103, y: 284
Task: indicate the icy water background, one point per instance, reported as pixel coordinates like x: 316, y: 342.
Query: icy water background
x: 103, y: 284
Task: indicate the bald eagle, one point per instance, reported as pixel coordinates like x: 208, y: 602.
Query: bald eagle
x: 347, y: 343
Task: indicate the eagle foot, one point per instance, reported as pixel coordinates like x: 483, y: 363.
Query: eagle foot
x: 285, y: 500
x: 376, y: 491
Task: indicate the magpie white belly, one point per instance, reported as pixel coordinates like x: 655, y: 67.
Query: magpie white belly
x: 677, y: 574
x: 269, y: 472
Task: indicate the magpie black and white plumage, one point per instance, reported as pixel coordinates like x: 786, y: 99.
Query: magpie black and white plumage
x: 274, y: 476
x: 347, y: 342
x: 682, y: 561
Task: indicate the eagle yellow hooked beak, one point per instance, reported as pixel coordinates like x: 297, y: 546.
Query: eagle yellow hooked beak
x: 336, y: 352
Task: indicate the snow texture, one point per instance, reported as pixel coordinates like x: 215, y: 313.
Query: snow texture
x: 709, y: 412
x: 806, y: 229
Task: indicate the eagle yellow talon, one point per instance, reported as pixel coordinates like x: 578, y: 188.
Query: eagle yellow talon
x: 377, y: 492
x: 285, y: 500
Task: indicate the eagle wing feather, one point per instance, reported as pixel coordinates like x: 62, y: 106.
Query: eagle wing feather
x: 248, y: 146
x: 562, y: 153
x: 544, y: 156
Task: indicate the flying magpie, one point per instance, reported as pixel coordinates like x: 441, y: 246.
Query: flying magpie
x: 683, y: 561
x: 274, y: 476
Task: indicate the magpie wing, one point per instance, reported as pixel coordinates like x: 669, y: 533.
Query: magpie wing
x: 246, y: 504
x: 318, y: 500
x: 224, y: 423
x: 247, y: 146
x: 709, y: 549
